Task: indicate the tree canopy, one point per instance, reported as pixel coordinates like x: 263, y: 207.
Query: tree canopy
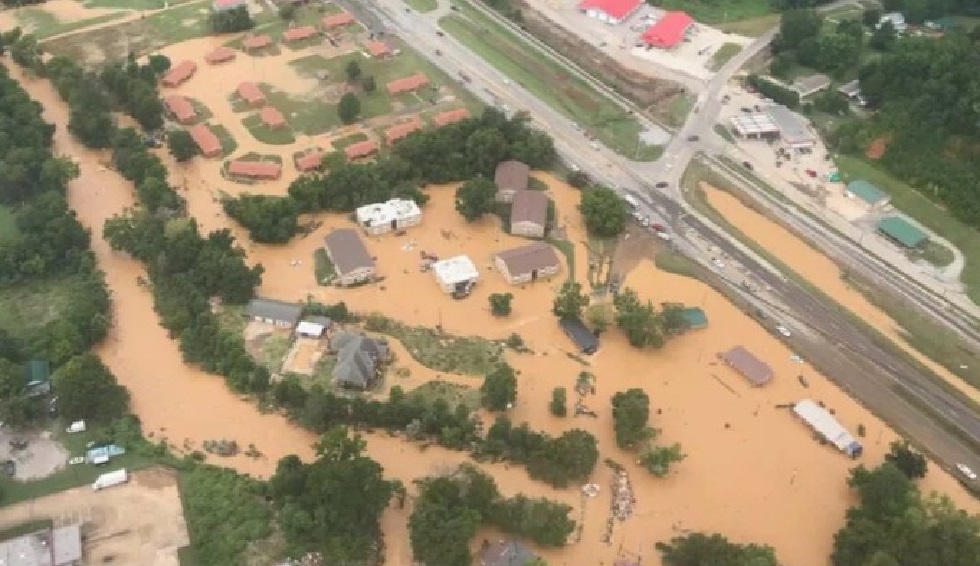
x: 476, y: 197
x: 699, y: 549
x: 570, y: 302
x: 604, y: 212
x: 499, y: 389
x: 87, y: 390
x: 631, y: 413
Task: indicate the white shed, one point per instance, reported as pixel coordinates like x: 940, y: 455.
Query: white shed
x: 382, y: 217
x: 455, y: 272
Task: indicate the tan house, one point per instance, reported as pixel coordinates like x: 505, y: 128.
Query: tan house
x: 529, y: 214
x: 349, y: 256
x: 526, y: 264
x: 511, y: 177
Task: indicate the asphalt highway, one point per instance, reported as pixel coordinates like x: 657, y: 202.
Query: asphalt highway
x: 869, y: 372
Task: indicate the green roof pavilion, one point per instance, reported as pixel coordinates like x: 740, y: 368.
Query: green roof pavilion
x: 867, y: 192
x: 902, y: 231
x: 695, y: 318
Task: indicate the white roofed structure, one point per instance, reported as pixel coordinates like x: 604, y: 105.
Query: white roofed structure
x: 454, y: 272
x: 395, y: 214
x: 827, y: 426
x: 310, y: 329
x: 755, y: 126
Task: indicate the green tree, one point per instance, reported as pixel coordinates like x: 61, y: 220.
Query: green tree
x: 499, y: 389
x: 631, y: 413
x: 699, y: 549
x: 559, y: 402
x: 475, y: 198
x: 570, y: 302
x: 599, y: 318
x: 349, y: 108
x: 368, y: 84
x: 160, y: 64
x: 884, y: 37
x: 230, y: 21
x: 181, y: 145
x: 912, y: 463
x: 658, y: 459
x: 500, y: 303
x: 269, y: 219
x: 603, y: 211
x: 796, y: 26
x: 569, y: 458
x: 87, y: 390
x: 641, y: 322
x: 352, y: 70
x: 287, y: 11
x: 871, y: 17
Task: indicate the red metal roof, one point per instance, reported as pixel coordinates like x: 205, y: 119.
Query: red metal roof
x: 271, y: 117
x: 450, y: 117
x: 250, y: 93
x: 177, y: 75
x: 618, y: 9
x: 669, y: 31
x: 257, y: 42
x: 220, y: 55
x: 180, y: 107
x: 377, y: 48
x: 255, y: 169
x: 360, y: 149
x: 337, y: 20
x: 398, y: 132
x: 296, y: 34
x: 206, y: 141
x: 309, y: 162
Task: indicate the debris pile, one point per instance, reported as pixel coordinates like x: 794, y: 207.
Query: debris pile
x: 221, y: 447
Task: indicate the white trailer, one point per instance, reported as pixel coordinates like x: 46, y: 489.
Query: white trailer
x: 110, y: 479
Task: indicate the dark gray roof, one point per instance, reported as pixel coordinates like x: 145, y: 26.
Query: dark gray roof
x: 506, y: 553
x: 532, y: 257
x: 276, y: 310
x: 512, y: 175
x: 347, y: 250
x: 529, y: 206
x: 357, y: 359
x: 580, y: 334
x: 752, y: 368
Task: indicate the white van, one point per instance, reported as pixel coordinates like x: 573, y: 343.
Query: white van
x: 631, y: 201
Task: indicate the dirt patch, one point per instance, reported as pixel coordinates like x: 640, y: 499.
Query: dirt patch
x: 637, y: 245
x: 876, y: 149
x: 304, y: 355
x: 654, y: 95
x: 141, y: 522
x: 41, y: 457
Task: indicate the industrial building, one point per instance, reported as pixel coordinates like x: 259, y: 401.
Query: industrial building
x: 823, y: 423
x: 793, y: 129
x: 670, y: 31
x: 902, y: 232
x: 395, y: 214
x: 456, y: 275
x: 61, y: 546
x: 754, y: 126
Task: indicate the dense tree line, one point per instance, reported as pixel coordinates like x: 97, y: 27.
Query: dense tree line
x: 803, y: 40
x: 699, y: 549
x: 451, y: 508
x: 268, y: 219
x: 133, y: 88
x: 463, y: 151
x: 332, y: 505
x: 50, y: 246
x: 929, y: 110
x: 230, y: 21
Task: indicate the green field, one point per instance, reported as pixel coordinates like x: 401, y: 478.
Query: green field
x: 544, y: 78
x: 923, y: 210
x: 751, y: 27
x: 44, y: 24
x: 724, y: 55
x: 721, y: 11
x: 32, y: 306
x: 266, y: 135
x: 423, y: 6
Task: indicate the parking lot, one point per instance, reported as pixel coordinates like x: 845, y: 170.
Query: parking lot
x: 34, y: 455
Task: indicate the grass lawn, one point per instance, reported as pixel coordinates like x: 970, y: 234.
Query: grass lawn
x: 228, y: 143
x: 232, y: 319
x: 568, y: 250
x: 721, y: 11
x: 724, y: 132
x: 751, y: 27
x: 273, y: 351
x: 342, y: 143
x: 544, y: 78
x: 934, y: 253
x: 132, y: 4
x: 267, y: 135
x: 45, y: 24
x: 923, y: 210
x: 472, y: 355
x: 724, y: 55
x: 678, y: 110
x: 423, y: 6
x: 36, y: 304
x: 677, y: 264
x: 202, y: 111
x: 8, y: 225
x: 323, y: 268
x: 453, y: 394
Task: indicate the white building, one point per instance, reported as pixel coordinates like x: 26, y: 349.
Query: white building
x: 824, y: 424
x: 897, y: 20
x: 395, y: 214
x: 456, y: 273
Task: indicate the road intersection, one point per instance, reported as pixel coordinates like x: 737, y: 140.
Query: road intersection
x: 874, y: 374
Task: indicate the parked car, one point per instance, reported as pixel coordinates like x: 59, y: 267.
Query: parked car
x: 811, y: 173
x: 718, y: 263
x: 661, y: 185
x: 441, y: 34
x: 966, y: 471
x: 747, y: 165
x: 693, y: 138
x: 784, y: 331
x: 658, y: 227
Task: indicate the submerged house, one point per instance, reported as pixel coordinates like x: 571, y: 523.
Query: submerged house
x: 359, y: 359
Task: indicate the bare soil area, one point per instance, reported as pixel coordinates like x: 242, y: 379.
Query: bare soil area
x: 40, y: 458
x: 139, y: 523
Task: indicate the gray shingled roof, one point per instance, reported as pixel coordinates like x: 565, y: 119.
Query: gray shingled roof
x: 529, y: 206
x: 347, y: 250
x: 273, y: 309
x: 357, y: 359
x: 532, y: 257
x: 751, y: 367
x: 512, y: 175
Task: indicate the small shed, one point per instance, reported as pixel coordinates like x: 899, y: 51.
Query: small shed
x: 313, y: 326
x: 867, y: 192
x: 455, y: 274
x: 578, y: 333
x: 272, y: 118
x: 756, y: 371
x: 902, y: 232
x: 695, y: 318
x: 37, y: 375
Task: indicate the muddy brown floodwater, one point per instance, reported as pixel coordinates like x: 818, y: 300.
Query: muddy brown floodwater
x: 752, y: 471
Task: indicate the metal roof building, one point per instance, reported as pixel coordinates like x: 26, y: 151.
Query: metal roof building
x: 756, y: 371
x: 754, y: 126
x: 902, y: 231
x: 867, y: 192
x: 792, y: 127
x: 455, y: 271
x: 61, y: 546
x: 824, y: 424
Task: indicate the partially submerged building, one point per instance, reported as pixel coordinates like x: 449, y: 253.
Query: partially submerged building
x: 250, y: 93
x: 511, y: 177
x: 359, y: 359
x: 456, y: 275
x: 310, y: 161
x: 826, y: 425
x: 270, y: 311
x: 577, y: 332
x: 254, y: 170
x: 220, y: 54
x: 350, y: 258
x: 529, y: 213
x: 526, y: 264
x: 394, y: 214
x: 272, y: 118
x: 506, y: 553
x: 180, y: 108
x: 207, y: 142
x: 754, y: 370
